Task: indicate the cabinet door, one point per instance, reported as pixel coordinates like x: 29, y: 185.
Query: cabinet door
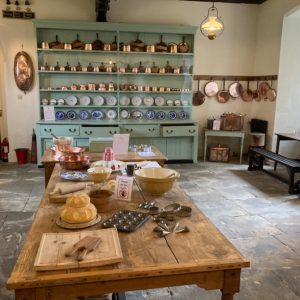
x: 59, y: 130
x: 81, y: 142
x: 179, y: 148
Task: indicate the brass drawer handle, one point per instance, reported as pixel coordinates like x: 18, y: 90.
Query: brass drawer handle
x: 192, y: 131
x: 88, y: 133
x: 48, y: 130
x: 72, y: 130
x: 169, y: 132
x: 129, y: 130
x: 151, y: 130
x: 113, y: 132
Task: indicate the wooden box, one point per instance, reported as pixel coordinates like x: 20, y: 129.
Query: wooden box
x: 219, y: 154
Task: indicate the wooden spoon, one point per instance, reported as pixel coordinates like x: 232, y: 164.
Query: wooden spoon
x: 54, y: 135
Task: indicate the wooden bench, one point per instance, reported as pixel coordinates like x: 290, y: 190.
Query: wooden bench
x: 258, y: 156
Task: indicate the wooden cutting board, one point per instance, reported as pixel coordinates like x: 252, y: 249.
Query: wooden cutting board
x: 53, y: 246
x: 62, y: 198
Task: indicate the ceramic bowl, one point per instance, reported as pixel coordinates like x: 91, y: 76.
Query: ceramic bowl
x: 63, y: 141
x: 99, y: 174
x: 153, y: 180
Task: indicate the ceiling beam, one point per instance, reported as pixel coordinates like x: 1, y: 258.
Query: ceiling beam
x: 232, y: 1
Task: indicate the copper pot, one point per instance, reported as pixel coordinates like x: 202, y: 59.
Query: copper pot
x: 51, y: 68
x: 126, y: 48
x: 140, y: 88
x: 64, y: 88
x: 111, y: 89
x: 102, y: 89
x: 58, y: 151
x: 83, y: 87
x: 235, y: 90
x: 43, y: 68
x: 122, y: 70
x: 96, y: 69
x: 173, y: 48
x: 61, y: 68
x: 106, y: 47
x: 150, y: 48
x: 134, y: 70
x: 176, y: 70
x: 161, y: 89
x: 88, y: 47
x: 154, y: 89
x: 45, y: 45
x: 74, y: 162
x: 168, y: 89
x: 67, y: 46
x: 73, y: 87
x: 148, y: 70
x: 162, y: 70
x: 147, y: 88
x: 108, y: 69
x: 211, y: 89
x: 73, y: 69
x: 84, y: 69
x: 92, y: 86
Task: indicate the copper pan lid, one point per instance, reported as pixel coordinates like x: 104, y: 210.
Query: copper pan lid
x: 235, y: 90
x: 211, y: 89
x: 263, y: 88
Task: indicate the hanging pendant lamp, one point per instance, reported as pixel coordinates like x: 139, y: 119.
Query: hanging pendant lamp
x: 212, y: 26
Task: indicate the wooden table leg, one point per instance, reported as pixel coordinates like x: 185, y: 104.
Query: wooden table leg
x: 231, y: 284
x: 277, y: 150
x: 49, y: 167
x: 26, y: 294
x: 161, y: 163
x: 205, y: 145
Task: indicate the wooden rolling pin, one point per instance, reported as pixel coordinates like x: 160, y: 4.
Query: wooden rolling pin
x: 71, y: 188
x: 141, y: 164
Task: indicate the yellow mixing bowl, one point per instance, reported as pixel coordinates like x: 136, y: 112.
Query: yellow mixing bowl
x: 99, y: 174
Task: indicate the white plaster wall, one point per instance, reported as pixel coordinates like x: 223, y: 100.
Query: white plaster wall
x: 267, y: 54
x: 287, y: 108
x: 233, y: 53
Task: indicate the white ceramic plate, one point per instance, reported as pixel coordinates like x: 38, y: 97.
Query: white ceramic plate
x: 160, y: 101
x: 124, y: 114
x: 71, y: 100
x: 98, y: 100
x: 124, y: 100
x: 111, y: 100
x: 136, y: 101
x: 60, y: 101
x: 177, y: 102
x: 148, y: 101
x: 85, y: 100
x: 170, y: 102
x: 111, y: 114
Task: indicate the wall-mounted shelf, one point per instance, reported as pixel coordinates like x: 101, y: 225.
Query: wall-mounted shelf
x: 235, y: 78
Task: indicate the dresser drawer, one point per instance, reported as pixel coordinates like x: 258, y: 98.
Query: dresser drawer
x: 60, y: 130
x: 141, y: 130
x: 178, y: 130
x: 99, y: 131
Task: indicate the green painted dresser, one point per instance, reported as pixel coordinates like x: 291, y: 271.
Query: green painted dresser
x: 176, y: 138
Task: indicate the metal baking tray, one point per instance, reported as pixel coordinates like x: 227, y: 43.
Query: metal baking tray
x: 126, y: 220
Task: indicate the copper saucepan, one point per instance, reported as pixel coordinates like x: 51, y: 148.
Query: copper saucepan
x: 138, y: 45
x: 235, y: 90
x: 271, y: 93
x: 66, y: 150
x: 78, y: 44
x: 74, y: 162
x: 199, y: 97
x: 98, y: 44
x: 256, y: 94
x: 247, y: 95
x: 161, y: 46
x: 57, y: 44
x: 211, y: 89
x: 183, y: 47
x: 223, y: 96
x: 263, y: 89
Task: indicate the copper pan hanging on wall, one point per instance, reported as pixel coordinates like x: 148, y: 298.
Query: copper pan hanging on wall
x: 23, y: 71
x: 57, y: 44
x: 263, y: 88
x: 256, y: 94
x: 247, y: 95
x: 97, y: 44
x: 138, y: 45
x: 211, y: 89
x: 223, y: 96
x: 235, y: 90
x: 198, y: 97
x: 271, y: 93
x: 183, y: 47
x: 161, y: 46
x: 78, y: 44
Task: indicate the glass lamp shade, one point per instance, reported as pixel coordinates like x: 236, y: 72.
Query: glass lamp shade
x: 212, y: 24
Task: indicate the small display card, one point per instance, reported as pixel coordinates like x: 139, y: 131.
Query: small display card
x: 123, y: 188
x: 121, y: 143
x: 146, y: 154
x: 49, y: 113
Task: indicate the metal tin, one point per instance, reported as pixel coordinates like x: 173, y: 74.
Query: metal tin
x: 73, y: 87
x: 140, y: 88
x: 161, y: 89
x: 96, y: 69
x: 185, y: 211
x: 106, y: 47
x: 176, y: 70
x: 108, y: 69
x: 168, y: 89
x: 162, y: 70
x: 150, y: 48
x: 64, y: 88
x: 84, y: 69
x: 92, y: 86
x: 83, y: 87
x: 126, y: 220
x: 62, y: 68
x: 67, y: 46
x: 148, y: 70
x: 73, y: 69
x: 218, y: 154
x: 51, y: 68
x: 134, y: 70
x: 172, y: 208
x: 122, y: 70
x: 88, y: 47
x: 43, y: 68
x: 154, y: 89
x: 45, y: 45
x: 147, y: 88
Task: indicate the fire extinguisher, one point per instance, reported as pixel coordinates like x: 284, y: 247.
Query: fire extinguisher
x: 4, y: 150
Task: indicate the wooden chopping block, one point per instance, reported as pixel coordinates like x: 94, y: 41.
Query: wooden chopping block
x: 56, y: 196
x: 257, y: 139
x: 82, y: 244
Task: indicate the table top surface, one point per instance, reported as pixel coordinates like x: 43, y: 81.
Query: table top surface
x: 48, y: 157
x: 202, y: 249
x: 224, y: 131
x: 291, y: 136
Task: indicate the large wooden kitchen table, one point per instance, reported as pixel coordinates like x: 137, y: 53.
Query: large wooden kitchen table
x: 202, y: 256
x: 49, y: 161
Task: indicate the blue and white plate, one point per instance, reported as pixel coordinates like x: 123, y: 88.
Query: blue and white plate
x: 83, y: 114
x: 150, y: 114
x: 182, y: 115
x: 71, y: 114
x: 172, y: 115
x: 60, y: 115
x: 74, y: 175
x: 138, y: 115
x: 111, y: 114
x: 97, y: 114
x: 161, y: 115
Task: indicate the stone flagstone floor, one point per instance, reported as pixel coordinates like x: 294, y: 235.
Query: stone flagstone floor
x: 253, y: 210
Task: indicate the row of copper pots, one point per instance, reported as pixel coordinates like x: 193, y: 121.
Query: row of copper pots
x: 140, y: 88
x: 235, y: 90
x: 66, y: 46
x: 83, y: 87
